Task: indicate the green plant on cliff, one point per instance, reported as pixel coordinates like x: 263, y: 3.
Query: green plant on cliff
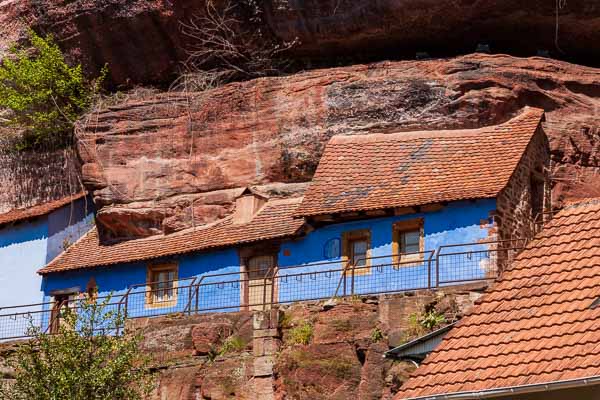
x: 432, y: 319
x: 419, y: 323
x: 233, y: 344
x: 84, y: 360
x: 42, y: 95
x: 301, y: 334
x: 377, y: 335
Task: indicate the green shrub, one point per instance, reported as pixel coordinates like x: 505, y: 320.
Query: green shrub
x: 79, y: 362
x: 232, y: 344
x: 376, y: 335
x: 43, y: 94
x: 432, y: 319
x: 301, y: 334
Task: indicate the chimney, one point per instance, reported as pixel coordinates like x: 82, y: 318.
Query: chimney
x: 246, y: 206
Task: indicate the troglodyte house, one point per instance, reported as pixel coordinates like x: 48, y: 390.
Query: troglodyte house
x: 379, y: 204
x: 32, y: 237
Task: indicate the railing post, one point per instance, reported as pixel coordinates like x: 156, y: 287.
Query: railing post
x: 345, y: 276
x: 352, y: 280
x: 437, y: 268
x: 429, y: 272
x: 273, y: 280
x: 125, y: 308
x: 189, y: 307
x: 120, y: 316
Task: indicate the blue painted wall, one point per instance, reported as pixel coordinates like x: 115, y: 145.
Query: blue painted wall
x: 459, y: 222
x: 28, y: 246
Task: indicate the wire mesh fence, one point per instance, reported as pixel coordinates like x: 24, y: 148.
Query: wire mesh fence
x: 256, y: 290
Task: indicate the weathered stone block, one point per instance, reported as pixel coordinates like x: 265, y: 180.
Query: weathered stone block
x: 263, y: 366
x: 263, y: 388
x: 263, y: 333
x: 265, y: 346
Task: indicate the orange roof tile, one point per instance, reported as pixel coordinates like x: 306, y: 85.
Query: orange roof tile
x: 368, y: 172
x: 535, y: 326
x: 273, y: 221
x: 37, y: 211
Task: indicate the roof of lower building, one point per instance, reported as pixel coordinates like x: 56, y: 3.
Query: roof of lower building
x: 378, y: 171
x: 418, y: 348
x: 539, y: 325
x: 274, y: 220
x: 23, y: 214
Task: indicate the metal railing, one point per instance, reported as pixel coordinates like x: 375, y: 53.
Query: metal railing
x: 446, y: 266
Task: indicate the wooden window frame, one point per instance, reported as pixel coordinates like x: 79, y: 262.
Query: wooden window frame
x: 400, y: 227
x: 153, y: 269
x: 57, y: 305
x: 351, y: 236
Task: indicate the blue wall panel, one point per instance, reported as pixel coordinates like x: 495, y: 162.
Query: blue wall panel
x: 22, y: 253
x: 27, y: 246
x: 317, y: 253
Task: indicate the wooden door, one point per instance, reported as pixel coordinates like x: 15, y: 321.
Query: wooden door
x: 260, y: 285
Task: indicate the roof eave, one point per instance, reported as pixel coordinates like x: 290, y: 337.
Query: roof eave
x: 393, y: 207
x: 43, y: 272
x: 514, y: 390
x: 420, y: 339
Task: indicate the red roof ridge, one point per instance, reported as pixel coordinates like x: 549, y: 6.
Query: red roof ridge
x: 406, y: 136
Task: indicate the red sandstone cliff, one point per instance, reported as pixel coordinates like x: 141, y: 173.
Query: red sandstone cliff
x: 148, y: 159
x: 142, y: 41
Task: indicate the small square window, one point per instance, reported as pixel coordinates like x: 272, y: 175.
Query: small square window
x: 408, y: 242
x: 161, y: 280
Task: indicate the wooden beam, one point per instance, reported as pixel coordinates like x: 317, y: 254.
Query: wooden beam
x: 404, y: 210
x: 432, y: 207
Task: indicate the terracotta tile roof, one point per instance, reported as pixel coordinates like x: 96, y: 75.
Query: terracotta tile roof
x: 37, y: 211
x: 535, y: 326
x: 367, y: 172
x: 274, y: 220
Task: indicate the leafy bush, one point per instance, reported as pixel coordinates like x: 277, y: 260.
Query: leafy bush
x: 420, y: 323
x: 432, y: 319
x: 43, y: 94
x: 301, y: 334
x: 80, y: 362
x: 232, y: 344
x: 376, y: 335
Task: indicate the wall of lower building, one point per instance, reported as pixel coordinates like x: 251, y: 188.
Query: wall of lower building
x: 116, y: 280
x: 23, y: 249
x: 515, y: 216
x: 319, y: 252
x: 27, y: 246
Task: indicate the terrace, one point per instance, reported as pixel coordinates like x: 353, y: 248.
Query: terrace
x: 446, y: 266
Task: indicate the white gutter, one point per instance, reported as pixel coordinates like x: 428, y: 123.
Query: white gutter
x: 508, y: 391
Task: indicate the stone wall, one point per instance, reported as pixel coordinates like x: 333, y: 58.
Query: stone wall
x: 515, y: 216
x: 305, y: 351
x: 310, y: 350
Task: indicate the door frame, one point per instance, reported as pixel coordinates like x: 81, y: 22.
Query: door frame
x: 245, y: 254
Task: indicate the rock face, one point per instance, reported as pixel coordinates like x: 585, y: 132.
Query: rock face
x: 342, y: 358
x: 142, y: 41
x: 152, y: 159
x: 28, y: 179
